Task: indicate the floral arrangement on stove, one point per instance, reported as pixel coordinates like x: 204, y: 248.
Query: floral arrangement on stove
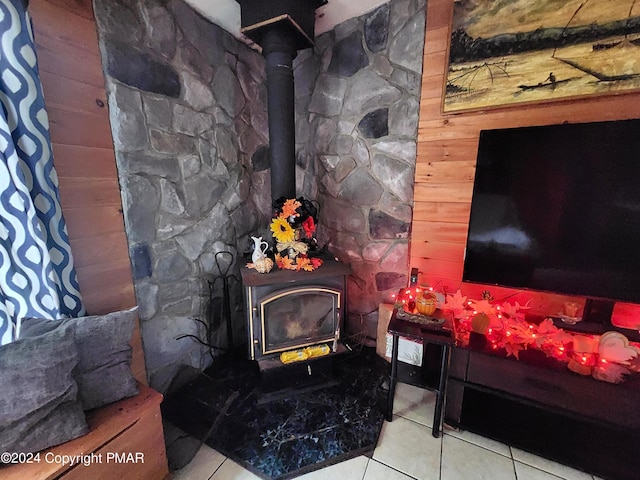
x: 293, y: 227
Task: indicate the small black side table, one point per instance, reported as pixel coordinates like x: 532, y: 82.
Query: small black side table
x: 427, y: 333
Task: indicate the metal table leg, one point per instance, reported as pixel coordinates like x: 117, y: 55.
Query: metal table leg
x: 442, y: 389
x: 393, y: 378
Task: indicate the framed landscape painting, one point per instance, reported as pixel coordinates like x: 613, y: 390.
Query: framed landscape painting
x: 504, y: 52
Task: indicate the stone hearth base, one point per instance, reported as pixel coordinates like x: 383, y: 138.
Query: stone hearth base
x: 289, y: 436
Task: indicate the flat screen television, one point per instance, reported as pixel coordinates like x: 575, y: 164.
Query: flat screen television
x: 557, y: 209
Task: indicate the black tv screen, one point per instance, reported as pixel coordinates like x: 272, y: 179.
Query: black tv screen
x: 557, y: 208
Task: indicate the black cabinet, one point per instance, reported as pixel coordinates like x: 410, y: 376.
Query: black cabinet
x: 538, y: 405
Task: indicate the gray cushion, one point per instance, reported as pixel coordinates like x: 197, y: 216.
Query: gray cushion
x: 104, y: 354
x: 38, y: 394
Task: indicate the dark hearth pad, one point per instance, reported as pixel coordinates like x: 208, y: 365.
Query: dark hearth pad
x: 282, y: 437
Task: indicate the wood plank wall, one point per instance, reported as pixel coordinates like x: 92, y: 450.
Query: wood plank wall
x: 447, y: 147
x: 74, y: 90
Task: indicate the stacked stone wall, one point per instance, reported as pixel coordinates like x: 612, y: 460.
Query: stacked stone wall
x: 187, y: 108
x: 188, y: 113
x: 357, y: 101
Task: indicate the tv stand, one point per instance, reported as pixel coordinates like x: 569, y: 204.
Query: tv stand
x: 591, y: 328
x: 598, y: 311
x: 537, y: 404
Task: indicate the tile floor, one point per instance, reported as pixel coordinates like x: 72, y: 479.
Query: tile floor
x: 406, y: 450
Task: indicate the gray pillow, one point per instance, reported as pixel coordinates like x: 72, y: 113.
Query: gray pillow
x: 104, y: 354
x: 38, y: 394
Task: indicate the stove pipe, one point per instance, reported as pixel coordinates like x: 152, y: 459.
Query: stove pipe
x: 278, y: 49
x: 281, y: 28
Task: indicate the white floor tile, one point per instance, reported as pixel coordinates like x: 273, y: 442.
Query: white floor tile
x: 410, y: 448
x: 203, y: 465
x: 526, y: 472
x: 352, y: 469
x: 379, y: 471
x: 462, y: 460
x: 481, y: 441
x: 549, y: 466
x: 230, y: 470
x: 414, y: 403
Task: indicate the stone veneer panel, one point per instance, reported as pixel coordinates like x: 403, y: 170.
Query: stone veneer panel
x: 188, y: 111
x: 362, y: 87
x: 191, y: 145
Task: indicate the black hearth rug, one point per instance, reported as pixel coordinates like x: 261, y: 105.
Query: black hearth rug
x: 283, y: 436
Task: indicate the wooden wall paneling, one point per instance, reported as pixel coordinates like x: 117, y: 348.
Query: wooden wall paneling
x: 446, y: 172
x: 441, y: 268
x: 114, y: 288
x: 443, y: 192
x: 88, y: 191
x: 72, y: 24
x: 446, y: 155
x: 456, y: 149
x: 73, y: 95
x: 439, y: 232
x: 439, y: 15
x: 73, y: 83
x: 429, y: 106
x: 437, y: 39
x: 84, y: 8
x: 77, y: 128
x: 80, y: 161
x: 442, y: 282
x: 93, y: 221
x: 112, y: 296
x: 89, y: 251
x: 432, y: 83
x: 430, y: 249
x: 66, y: 61
x: 442, y: 211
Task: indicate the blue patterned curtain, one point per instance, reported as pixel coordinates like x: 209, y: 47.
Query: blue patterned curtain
x: 37, y: 278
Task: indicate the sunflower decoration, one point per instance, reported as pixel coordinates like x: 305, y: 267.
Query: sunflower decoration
x: 282, y: 231
x: 293, y: 226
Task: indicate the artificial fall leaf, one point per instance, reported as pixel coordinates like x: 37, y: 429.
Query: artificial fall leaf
x: 309, y: 227
x: 289, y: 208
x: 547, y: 327
x: 548, y: 334
x: 284, y: 263
x: 316, y: 262
x: 508, y: 309
x: 288, y: 264
x: 521, y: 333
x: 483, y: 306
x: 561, y: 337
x: 634, y: 364
x: 514, y: 349
x: 305, y: 264
x: 610, y: 372
x: 513, y: 310
x: 456, y: 303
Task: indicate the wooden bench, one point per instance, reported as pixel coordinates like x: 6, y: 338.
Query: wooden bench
x: 125, y: 441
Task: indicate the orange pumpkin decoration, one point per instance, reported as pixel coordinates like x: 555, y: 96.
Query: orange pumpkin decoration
x: 480, y: 323
x: 426, y: 303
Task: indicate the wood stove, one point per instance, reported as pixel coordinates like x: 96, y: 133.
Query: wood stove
x: 287, y: 310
